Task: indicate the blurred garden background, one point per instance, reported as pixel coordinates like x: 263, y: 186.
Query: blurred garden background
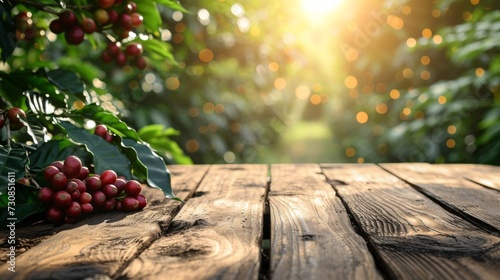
x: 313, y: 81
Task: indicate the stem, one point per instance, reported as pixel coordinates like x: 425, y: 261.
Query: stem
x: 7, y: 125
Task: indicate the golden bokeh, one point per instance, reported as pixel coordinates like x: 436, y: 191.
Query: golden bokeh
x: 362, y: 117
x: 351, y: 82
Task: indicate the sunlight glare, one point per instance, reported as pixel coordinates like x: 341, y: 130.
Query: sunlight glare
x: 314, y: 8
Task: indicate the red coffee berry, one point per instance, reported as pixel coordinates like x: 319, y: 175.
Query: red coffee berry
x: 126, y: 21
x: 54, y: 214
x: 74, y: 35
x: 84, y: 173
x: 49, y: 172
x: 113, y: 16
x: 68, y: 19
x: 15, y: 123
x: 120, y: 184
x: 101, y: 16
x: 59, y: 164
x: 140, y: 63
x: 130, y: 7
x: 71, y: 187
x: 86, y: 208
x: 118, y: 205
x: 142, y: 201
x: 106, y: 3
x: 106, y: 57
x: 61, y: 199
x: 108, y: 177
x: 121, y: 59
x: 56, y: 26
x: 75, y: 196
x: 93, y: 183
x: 72, y: 167
x: 74, y: 210
x: 133, y: 188
x: 98, y: 199
x: 88, y: 25
x: 109, y: 138
x: 133, y: 50
x: 81, y: 185
x: 110, y: 190
x: 68, y: 220
x: 45, y: 195
x: 109, y: 205
x: 59, y: 181
x: 85, y: 198
x: 137, y: 19
x: 130, y: 204
x: 101, y: 130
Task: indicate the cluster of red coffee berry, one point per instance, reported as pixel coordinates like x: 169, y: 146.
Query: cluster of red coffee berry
x: 25, y: 29
x: 73, y: 29
x: 132, y: 53
x: 12, y: 114
x: 75, y: 193
x: 103, y: 132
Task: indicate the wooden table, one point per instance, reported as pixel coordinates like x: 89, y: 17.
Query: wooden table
x: 304, y: 221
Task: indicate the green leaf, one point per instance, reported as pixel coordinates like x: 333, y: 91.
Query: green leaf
x: 105, y: 155
x: 13, y: 162
x: 7, y: 29
x: 54, y: 150
x: 172, y: 4
x: 103, y: 116
x: 157, y: 49
x: 67, y: 81
x: 151, y: 15
x: 157, y: 174
x: 38, y: 103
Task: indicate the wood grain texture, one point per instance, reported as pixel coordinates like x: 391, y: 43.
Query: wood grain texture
x: 414, y: 237
x: 100, y: 245
x: 486, y: 175
x: 216, y: 235
x: 445, y: 185
x: 311, y: 235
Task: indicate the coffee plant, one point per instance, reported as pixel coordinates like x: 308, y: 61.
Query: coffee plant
x: 62, y: 151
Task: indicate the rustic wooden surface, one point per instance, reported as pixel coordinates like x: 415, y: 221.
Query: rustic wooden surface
x: 327, y: 221
x: 414, y: 237
x: 311, y: 235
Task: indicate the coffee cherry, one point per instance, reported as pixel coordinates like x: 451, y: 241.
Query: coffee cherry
x: 68, y: 19
x: 120, y: 184
x: 130, y: 7
x: 133, y: 188
x: 121, y: 59
x: 130, y: 204
x: 49, y: 172
x: 133, y: 50
x: 45, y: 195
x: 142, y: 201
x: 72, y: 167
x: 137, y: 19
x: 84, y: 173
x: 75, y: 196
x: 110, y: 190
x: 109, y: 205
x: 106, y: 57
x: 101, y: 130
x: 109, y: 138
x: 74, y: 210
x: 61, y: 199
x: 126, y: 21
x: 85, y: 198
x: 68, y: 220
x: 98, y: 199
x: 81, y: 185
x: 74, y: 35
x: 140, y: 63
x: 93, y: 183
x: 71, y: 187
x: 113, y: 16
x: 15, y: 123
x: 118, y: 205
x: 101, y: 16
x: 54, y: 215
x: 108, y: 177
x: 59, y: 164
x: 86, y: 208
x: 56, y: 26
x: 106, y: 3
x: 59, y: 181
x: 88, y: 25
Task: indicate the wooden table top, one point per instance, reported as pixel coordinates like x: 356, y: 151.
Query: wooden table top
x: 284, y: 221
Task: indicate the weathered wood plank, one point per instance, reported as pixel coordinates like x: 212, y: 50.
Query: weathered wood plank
x: 486, y: 175
x: 216, y: 235
x: 446, y: 186
x: 101, y: 245
x: 413, y: 236
x: 311, y: 235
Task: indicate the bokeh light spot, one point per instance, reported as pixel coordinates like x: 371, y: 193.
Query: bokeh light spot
x: 192, y: 146
x: 442, y: 100
x: 279, y: 83
x: 350, y: 152
x: 381, y: 108
x: 351, y: 82
x: 206, y: 55
x: 361, y: 117
x: 302, y: 92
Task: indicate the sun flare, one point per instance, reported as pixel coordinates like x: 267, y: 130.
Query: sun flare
x: 316, y: 8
